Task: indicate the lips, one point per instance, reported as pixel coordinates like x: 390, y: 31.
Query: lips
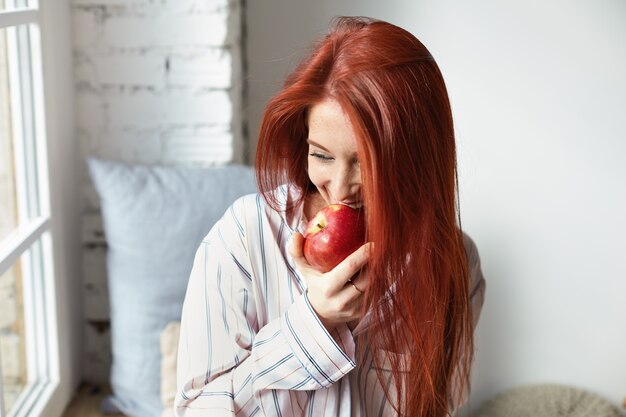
x: 353, y: 204
x: 353, y: 200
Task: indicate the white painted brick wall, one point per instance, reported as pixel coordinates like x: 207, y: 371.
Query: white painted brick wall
x: 185, y: 145
x: 97, y: 360
x: 144, y: 67
x: 144, y: 108
x: 166, y: 30
x: 95, y: 289
x: 156, y: 82
x: 209, y: 68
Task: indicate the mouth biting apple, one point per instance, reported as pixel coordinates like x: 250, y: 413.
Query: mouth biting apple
x: 332, y: 234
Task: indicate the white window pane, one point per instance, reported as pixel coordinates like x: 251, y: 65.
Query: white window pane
x: 20, y: 154
x: 25, y: 332
x: 29, y: 345
x: 8, y: 197
x: 12, y: 335
x: 16, y: 4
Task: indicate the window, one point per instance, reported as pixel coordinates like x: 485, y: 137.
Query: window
x: 29, y: 354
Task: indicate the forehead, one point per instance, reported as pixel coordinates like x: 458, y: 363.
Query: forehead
x: 330, y: 127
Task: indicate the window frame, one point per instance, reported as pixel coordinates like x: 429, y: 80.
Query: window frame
x: 54, y: 232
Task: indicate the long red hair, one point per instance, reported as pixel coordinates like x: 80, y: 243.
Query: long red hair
x: 390, y: 87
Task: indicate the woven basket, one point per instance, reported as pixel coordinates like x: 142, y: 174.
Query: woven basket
x: 547, y: 400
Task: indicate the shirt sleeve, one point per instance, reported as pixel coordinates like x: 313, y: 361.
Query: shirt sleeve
x: 227, y: 365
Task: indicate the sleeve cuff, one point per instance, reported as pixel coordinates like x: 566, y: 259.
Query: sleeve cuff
x: 326, y: 358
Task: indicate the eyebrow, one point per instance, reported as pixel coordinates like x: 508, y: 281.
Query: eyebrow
x: 312, y: 142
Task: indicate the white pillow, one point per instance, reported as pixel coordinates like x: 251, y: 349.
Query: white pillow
x: 154, y: 219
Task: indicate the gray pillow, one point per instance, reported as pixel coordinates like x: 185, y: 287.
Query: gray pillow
x: 154, y: 219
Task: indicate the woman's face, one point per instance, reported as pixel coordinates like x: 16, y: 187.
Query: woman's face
x: 333, y: 165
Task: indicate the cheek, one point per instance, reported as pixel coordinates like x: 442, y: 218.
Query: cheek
x: 317, y: 174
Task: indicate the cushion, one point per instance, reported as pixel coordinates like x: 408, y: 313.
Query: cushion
x: 169, y: 355
x: 154, y: 218
x: 547, y: 400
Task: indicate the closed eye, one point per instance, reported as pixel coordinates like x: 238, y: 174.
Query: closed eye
x: 321, y: 156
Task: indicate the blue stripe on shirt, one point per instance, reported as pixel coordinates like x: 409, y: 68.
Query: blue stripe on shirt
x: 219, y: 288
x: 243, y: 385
x: 311, y: 401
x: 297, y: 277
x: 236, y: 220
x: 245, y: 313
x: 208, y: 317
x: 308, y: 304
x: 233, y: 257
x: 217, y: 394
x: 276, y: 403
x: 271, y: 368
x: 302, y: 383
x: 262, y: 247
x: 261, y: 342
x: 306, y: 352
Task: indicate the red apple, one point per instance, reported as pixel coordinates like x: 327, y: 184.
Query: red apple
x: 332, y: 234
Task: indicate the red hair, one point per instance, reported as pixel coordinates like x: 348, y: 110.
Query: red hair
x: 391, y: 89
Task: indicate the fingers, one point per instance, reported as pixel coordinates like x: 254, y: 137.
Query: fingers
x: 338, y: 280
x: 296, y: 245
x: 353, y: 285
x: 350, y: 266
x: 333, y: 301
x: 295, y: 249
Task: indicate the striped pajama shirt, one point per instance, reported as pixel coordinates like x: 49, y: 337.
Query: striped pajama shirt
x: 250, y: 342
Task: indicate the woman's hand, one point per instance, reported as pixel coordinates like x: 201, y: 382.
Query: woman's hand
x: 337, y: 295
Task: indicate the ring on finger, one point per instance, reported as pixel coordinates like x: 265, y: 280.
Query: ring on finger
x: 355, y: 287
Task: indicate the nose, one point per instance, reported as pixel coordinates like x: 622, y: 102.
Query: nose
x: 347, y: 184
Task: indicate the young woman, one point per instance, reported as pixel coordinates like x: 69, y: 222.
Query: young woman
x: 365, y: 121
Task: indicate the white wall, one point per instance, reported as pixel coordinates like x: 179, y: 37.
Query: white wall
x: 539, y: 97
